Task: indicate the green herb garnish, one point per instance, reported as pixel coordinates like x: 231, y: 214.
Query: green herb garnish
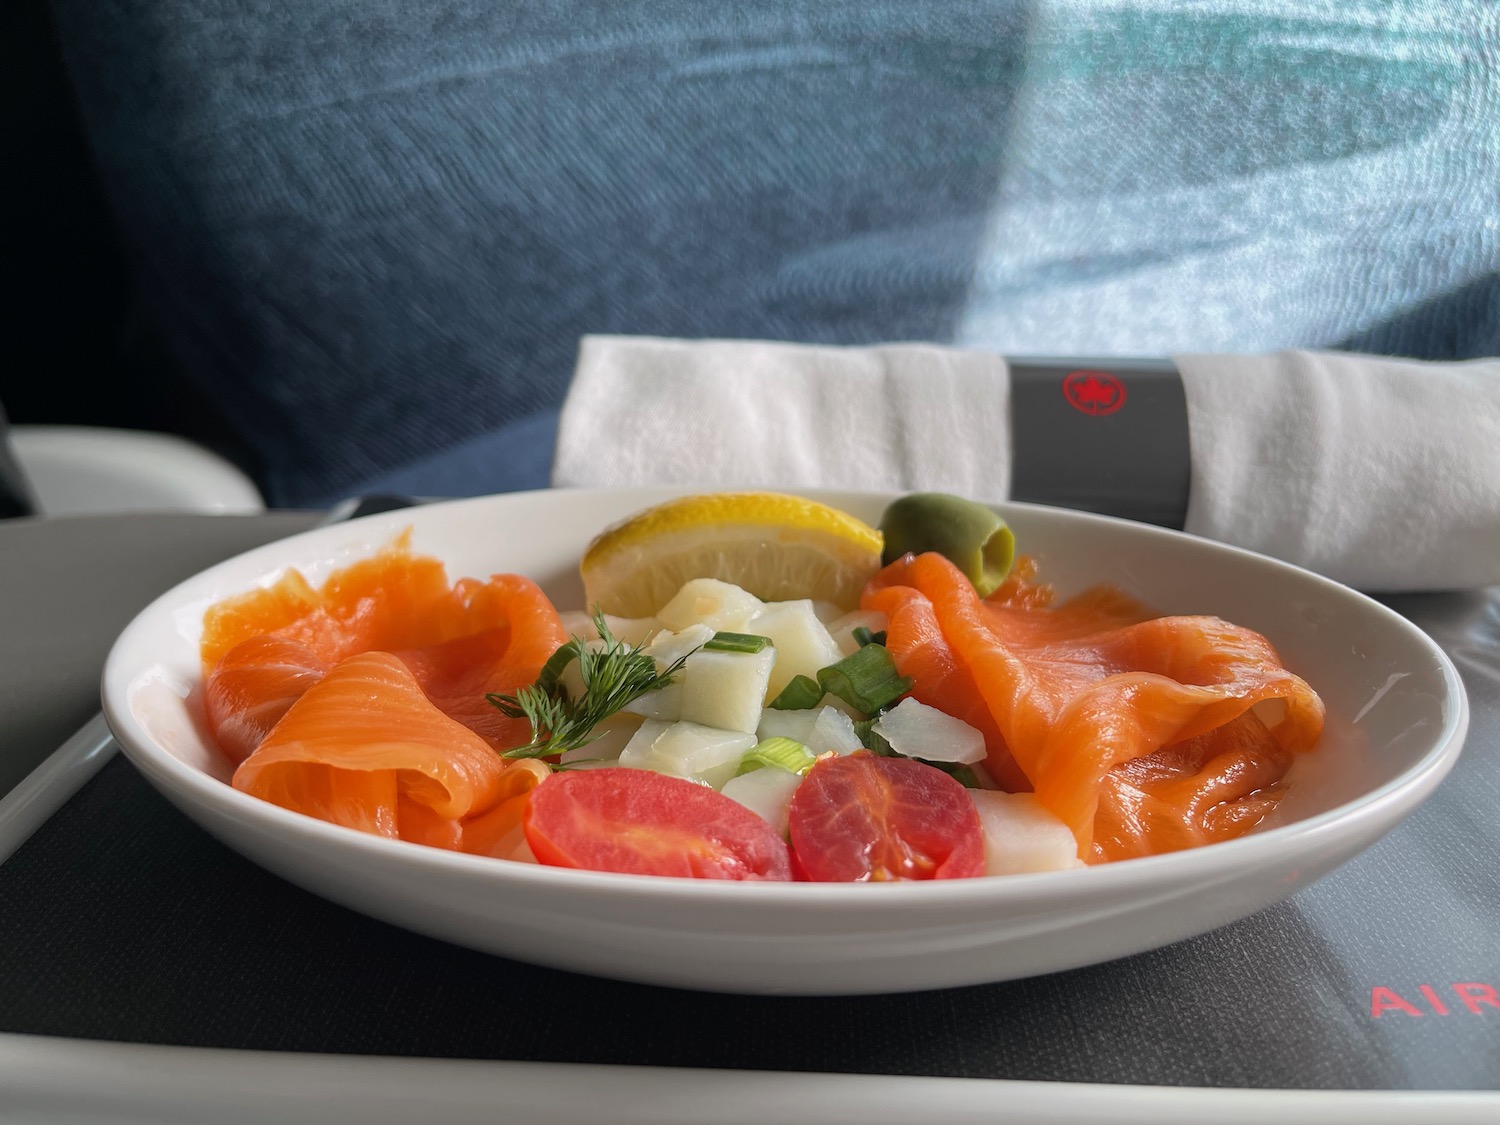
x: 612, y: 677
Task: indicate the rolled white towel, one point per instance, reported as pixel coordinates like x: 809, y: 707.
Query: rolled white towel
x: 1381, y: 473
x: 731, y: 413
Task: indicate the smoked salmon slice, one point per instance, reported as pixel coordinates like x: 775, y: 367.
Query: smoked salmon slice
x: 253, y: 686
x: 365, y: 748
x: 387, y: 601
x: 262, y: 649
x: 362, y: 702
x: 1137, y: 731
x: 495, y: 637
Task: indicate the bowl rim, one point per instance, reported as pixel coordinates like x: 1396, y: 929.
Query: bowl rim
x: 1379, y: 808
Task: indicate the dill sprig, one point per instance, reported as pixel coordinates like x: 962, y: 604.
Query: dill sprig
x: 612, y: 677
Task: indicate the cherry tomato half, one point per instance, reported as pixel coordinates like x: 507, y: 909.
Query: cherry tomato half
x: 866, y: 819
x: 644, y: 823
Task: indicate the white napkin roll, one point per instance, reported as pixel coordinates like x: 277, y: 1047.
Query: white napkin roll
x: 1383, y: 474
x: 728, y: 414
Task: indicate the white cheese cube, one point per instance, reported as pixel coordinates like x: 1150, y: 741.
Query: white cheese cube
x: 707, y: 601
x: 920, y: 731
x: 726, y: 689
x: 699, y: 753
x: 766, y: 792
x: 1020, y: 836
x: 802, y: 642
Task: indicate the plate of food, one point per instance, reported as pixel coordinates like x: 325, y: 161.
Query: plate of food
x: 766, y: 742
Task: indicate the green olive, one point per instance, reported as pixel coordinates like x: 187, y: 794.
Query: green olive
x: 967, y: 533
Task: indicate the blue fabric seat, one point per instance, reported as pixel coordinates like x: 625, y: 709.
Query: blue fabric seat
x: 373, y: 233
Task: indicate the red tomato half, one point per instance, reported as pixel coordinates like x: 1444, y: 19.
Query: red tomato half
x: 866, y: 819
x: 644, y: 823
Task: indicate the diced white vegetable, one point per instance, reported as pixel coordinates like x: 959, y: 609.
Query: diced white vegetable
x: 667, y: 647
x: 707, y: 601
x: 796, y: 725
x: 820, y: 729
x: 920, y: 731
x: 663, y: 703
x: 831, y: 700
x: 842, y: 628
x: 834, y: 731
x: 766, y: 791
x: 802, y: 642
x: 691, y: 750
x: 638, y: 749
x: 632, y: 630
x: 1021, y: 836
x: 726, y: 689
x: 614, y: 734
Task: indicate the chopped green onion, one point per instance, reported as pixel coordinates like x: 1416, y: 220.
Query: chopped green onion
x: 862, y: 636
x: 551, y: 674
x: 872, y: 740
x: 736, y: 642
x: 782, y: 753
x: 867, y: 680
x: 962, y: 774
x: 801, y: 694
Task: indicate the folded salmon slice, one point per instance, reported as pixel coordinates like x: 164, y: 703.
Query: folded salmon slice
x: 262, y: 649
x: 365, y: 748
x: 391, y: 600
x: 362, y: 702
x: 496, y: 635
x: 253, y: 686
x: 1137, y: 731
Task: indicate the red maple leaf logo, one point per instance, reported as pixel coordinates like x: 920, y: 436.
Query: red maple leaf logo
x: 1094, y: 392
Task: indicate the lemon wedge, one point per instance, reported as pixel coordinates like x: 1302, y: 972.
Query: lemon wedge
x: 778, y: 547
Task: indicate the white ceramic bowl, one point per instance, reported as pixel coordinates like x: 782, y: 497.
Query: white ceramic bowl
x: 1396, y: 720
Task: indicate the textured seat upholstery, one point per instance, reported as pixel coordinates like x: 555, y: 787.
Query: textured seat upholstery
x: 373, y: 232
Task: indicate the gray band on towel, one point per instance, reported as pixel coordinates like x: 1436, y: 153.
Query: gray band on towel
x: 1107, y: 436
